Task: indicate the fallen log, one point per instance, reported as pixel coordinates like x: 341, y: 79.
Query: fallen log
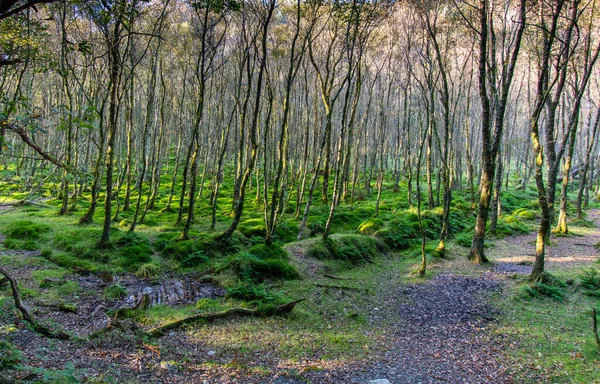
x: 27, y: 316
x: 237, y: 311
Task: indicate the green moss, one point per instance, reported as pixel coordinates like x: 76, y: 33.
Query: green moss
x: 208, y: 305
x: 194, y: 259
x: 253, y: 227
x: 25, y: 230
x: 178, y: 250
x: 27, y: 245
x: 135, y: 255
x: 350, y: 248
x: 274, y: 251
x: 249, y: 267
x: 370, y: 226
x: 128, y: 239
x: 164, y: 240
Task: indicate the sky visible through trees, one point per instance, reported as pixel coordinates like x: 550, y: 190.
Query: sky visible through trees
x: 135, y: 106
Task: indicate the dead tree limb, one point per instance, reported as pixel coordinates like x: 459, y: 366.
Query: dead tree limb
x: 27, y: 316
x: 237, y: 311
x: 334, y: 277
x: 342, y: 287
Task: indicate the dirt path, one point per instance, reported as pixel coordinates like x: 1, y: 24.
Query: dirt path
x: 516, y: 254
x: 440, y: 334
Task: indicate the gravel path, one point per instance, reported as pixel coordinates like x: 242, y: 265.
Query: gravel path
x: 439, y: 336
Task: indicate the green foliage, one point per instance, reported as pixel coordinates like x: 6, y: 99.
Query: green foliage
x: 510, y: 225
x: 129, y: 239
x: 370, y: 226
x: 194, y: 259
x: 512, y: 200
x: 548, y: 286
x: 206, y: 304
x: 464, y: 239
x: 250, y: 267
x: 25, y: 230
x: 135, y: 255
x: 525, y: 214
x: 401, y: 232
x: 213, y: 246
x: 164, y: 240
x: 255, y: 294
x: 253, y: 227
x: 274, y: 251
x: 542, y: 290
x: 148, y: 270
x: 26, y: 245
x: 9, y: 355
x: 115, y: 291
x: 349, y: 248
x: 46, y: 253
x: 583, y: 223
x: 590, y: 282
x: 180, y: 249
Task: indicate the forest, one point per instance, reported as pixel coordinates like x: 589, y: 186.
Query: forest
x: 290, y: 191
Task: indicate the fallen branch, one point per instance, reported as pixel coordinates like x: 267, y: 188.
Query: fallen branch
x: 27, y: 316
x: 334, y: 277
x: 345, y: 287
x: 63, y: 307
x: 237, y: 311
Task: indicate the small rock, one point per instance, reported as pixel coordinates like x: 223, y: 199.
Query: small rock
x: 210, y: 353
x: 380, y: 381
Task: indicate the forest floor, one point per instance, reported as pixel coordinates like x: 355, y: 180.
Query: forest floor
x: 461, y: 324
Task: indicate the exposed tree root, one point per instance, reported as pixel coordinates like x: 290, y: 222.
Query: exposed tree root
x: 27, y: 316
x: 237, y: 311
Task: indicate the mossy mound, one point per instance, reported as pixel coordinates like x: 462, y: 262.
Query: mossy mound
x: 25, y: 230
x: 370, y: 226
x: 350, y: 248
x: 253, y: 227
x: 134, y: 256
x: 262, y: 262
x: 274, y: 251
